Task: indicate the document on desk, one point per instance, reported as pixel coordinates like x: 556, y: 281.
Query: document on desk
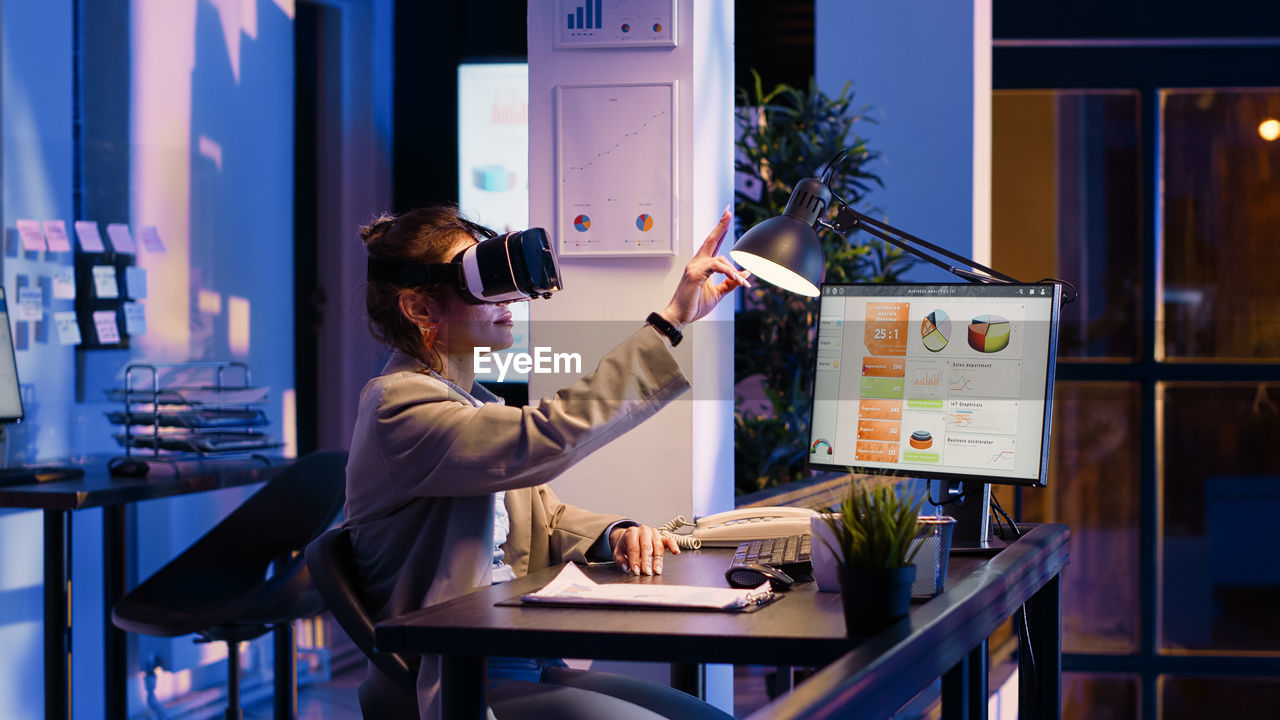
x: 572, y: 587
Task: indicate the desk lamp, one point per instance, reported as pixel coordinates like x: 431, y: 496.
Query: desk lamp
x: 785, y: 251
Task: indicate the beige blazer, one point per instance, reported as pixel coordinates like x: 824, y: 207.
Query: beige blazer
x: 424, y: 465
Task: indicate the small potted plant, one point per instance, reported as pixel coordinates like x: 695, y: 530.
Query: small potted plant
x: 872, y: 531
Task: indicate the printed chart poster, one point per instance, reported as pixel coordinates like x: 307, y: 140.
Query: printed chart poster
x: 615, y: 166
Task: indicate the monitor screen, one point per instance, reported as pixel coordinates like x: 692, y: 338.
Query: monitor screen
x: 949, y: 382
x: 10, y: 393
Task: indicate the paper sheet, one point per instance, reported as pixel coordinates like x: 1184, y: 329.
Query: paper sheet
x: 90, y: 238
x: 31, y: 235
x: 121, y: 240
x: 135, y: 318
x: 572, y: 587
x: 55, y: 232
x: 30, y: 304
x: 68, y: 327
x: 64, y: 283
x: 150, y: 240
x: 104, y: 282
x: 135, y: 280
x: 104, y: 322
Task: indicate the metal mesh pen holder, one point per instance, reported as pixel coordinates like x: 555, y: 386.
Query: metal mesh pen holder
x: 931, y: 559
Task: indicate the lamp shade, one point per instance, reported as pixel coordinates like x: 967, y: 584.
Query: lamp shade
x: 783, y: 251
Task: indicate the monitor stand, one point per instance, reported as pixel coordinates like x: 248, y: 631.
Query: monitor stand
x: 972, y: 532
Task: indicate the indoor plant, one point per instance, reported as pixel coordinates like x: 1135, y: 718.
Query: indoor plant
x: 782, y: 136
x: 870, y: 536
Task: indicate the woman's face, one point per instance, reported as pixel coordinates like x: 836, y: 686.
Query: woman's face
x: 464, y: 326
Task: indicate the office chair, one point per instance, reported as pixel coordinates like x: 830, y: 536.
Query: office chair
x: 221, y: 589
x: 331, y: 562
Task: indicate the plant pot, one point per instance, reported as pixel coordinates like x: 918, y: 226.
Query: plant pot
x: 874, y: 598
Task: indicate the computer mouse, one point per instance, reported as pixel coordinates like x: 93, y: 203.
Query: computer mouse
x: 128, y: 467
x: 752, y: 575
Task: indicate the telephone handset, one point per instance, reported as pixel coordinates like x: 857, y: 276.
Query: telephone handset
x: 731, y: 528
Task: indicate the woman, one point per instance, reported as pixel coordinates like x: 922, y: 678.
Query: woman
x: 445, y: 485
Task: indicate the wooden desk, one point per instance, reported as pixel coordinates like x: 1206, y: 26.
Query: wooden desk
x: 943, y: 637
x: 99, y: 489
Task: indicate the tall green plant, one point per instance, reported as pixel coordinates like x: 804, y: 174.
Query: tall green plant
x: 783, y: 136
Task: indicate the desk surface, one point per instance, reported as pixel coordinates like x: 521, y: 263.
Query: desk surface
x: 806, y: 627
x: 98, y: 488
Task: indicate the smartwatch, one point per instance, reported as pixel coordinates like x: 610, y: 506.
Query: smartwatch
x: 660, y: 324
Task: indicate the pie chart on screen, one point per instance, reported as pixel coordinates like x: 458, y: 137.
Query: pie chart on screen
x: 582, y: 223
x: 989, y: 333
x: 935, y: 331
x: 644, y: 222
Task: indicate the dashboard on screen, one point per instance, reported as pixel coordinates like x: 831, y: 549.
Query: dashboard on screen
x: 936, y: 381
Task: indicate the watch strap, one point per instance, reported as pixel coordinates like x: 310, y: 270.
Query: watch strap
x: 660, y: 324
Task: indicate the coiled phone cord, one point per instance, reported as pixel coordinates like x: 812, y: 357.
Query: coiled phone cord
x: 684, y: 542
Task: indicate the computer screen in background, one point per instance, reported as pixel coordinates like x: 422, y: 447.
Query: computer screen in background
x: 951, y: 382
x: 493, y: 165
x: 10, y: 392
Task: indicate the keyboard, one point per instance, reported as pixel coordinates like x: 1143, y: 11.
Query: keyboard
x: 25, y: 474
x: 791, y: 554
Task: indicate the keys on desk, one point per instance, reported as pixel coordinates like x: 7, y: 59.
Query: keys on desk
x: 790, y: 554
x: 25, y: 474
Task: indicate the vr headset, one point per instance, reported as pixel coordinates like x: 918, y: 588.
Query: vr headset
x: 501, y: 268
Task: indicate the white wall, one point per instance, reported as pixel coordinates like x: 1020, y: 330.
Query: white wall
x: 681, y: 461
x: 925, y: 68
x: 651, y: 472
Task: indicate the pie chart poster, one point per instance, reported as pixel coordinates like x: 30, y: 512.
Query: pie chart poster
x: 615, y: 169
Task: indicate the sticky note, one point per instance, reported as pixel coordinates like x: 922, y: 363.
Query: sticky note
x: 90, y: 239
x: 55, y: 234
x: 104, y: 322
x: 135, y: 318
x: 121, y: 240
x: 31, y: 234
x: 64, y: 283
x: 150, y: 239
x: 104, y: 281
x: 135, y: 282
x: 68, y: 327
x: 30, y: 304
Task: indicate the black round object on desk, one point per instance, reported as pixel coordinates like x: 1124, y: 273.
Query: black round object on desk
x: 128, y: 467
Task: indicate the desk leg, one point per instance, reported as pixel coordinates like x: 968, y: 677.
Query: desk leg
x: 57, y: 616
x: 964, y: 687
x: 114, y: 643
x: 1041, y: 696
x: 462, y: 684
x: 690, y: 678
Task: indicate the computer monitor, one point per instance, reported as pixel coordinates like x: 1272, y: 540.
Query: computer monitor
x: 951, y: 382
x: 10, y: 392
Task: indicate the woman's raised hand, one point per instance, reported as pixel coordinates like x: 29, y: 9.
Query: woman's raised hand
x: 697, y: 294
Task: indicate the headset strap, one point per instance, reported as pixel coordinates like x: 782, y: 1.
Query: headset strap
x: 411, y: 274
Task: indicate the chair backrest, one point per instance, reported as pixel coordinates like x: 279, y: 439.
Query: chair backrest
x: 331, y: 561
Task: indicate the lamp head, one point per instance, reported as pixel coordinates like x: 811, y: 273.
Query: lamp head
x: 785, y: 250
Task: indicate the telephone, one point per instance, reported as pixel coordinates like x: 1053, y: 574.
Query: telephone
x: 731, y: 528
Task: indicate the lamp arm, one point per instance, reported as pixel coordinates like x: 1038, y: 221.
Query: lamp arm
x: 847, y: 219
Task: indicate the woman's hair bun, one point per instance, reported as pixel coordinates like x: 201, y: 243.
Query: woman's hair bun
x: 375, y: 229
